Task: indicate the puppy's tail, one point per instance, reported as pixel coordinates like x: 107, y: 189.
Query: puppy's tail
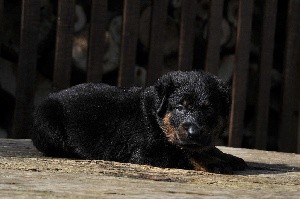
x: 48, y: 133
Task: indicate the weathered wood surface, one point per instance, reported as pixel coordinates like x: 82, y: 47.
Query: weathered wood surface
x: 25, y: 173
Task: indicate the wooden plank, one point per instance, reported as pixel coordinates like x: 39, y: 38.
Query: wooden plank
x: 64, y: 43
x: 1, y: 23
x: 240, y: 76
x: 272, y: 174
x: 26, y: 68
x: 298, y: 140
x: 187, y: 34
x: 266, y: 64
x: 130, y: 30
x: 97, y: 40
x: 18, y: 148
x: 157, y: 37
x: 1, y: 9
x: 6, y: 52
x: 214, y: 36
x: 291, y: 85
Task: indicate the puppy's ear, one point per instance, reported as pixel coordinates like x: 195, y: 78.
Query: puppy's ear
x: 164, y: 87
x: 163, y: 106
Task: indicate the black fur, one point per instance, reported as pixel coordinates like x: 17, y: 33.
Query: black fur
x: 166, y: 125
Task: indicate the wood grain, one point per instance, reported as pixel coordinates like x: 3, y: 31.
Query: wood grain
x: 26, y: 173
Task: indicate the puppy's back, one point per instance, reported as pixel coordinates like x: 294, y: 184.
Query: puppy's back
x: 75, y: 121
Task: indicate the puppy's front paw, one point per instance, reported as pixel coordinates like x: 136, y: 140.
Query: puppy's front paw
x: 220, y: 167
x: 212, y: 164
x: 236, y: 163
x: 216, y: 161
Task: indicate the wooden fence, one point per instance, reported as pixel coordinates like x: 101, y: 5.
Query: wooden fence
x: 289, y: 136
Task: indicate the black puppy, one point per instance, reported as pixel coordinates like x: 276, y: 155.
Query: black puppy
x: 171, y: 124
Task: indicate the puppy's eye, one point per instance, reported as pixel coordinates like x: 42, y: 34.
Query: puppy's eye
x: 179, y: 107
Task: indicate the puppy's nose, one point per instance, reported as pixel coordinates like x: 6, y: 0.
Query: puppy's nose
x: 193, y: 130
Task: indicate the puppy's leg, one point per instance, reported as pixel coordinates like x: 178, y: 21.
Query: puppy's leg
x: 236, y: 163
x: 214, y: 160
x: 48, y: 133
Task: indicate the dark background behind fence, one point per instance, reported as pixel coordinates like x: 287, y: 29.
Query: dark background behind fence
x: 254, y: 45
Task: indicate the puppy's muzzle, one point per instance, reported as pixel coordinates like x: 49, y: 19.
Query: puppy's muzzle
x: 193, y: 131
x: 196, y: 134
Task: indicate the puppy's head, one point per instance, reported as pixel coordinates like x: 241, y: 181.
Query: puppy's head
x: 192, y: 108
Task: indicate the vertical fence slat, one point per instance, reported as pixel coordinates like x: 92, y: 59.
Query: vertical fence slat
x: 1, y: 22
x: 240, y: 75
x: 157, y: 36
x: 288, y: 127
x: 187, y: 34
x: 298, y: 140
x: 214, y: 36
x: 1, y: 26
x: 266, y: 63
x: 129, y: 42
x: 26, y: 68
x: 97, y: 40
x: 64, y: 42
